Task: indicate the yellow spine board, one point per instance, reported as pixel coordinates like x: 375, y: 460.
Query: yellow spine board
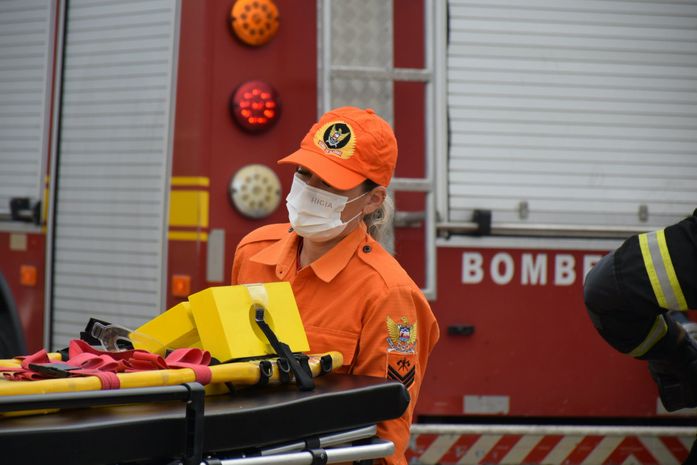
x: 239, y: 373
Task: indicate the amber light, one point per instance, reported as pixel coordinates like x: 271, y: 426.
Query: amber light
x: 255, y: 106
x: 181, y: 285
x: 27, y: 275
x: 254, y: 22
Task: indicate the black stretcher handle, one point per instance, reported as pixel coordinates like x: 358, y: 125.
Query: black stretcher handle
x: 193, y: 394
x: 302, y: 378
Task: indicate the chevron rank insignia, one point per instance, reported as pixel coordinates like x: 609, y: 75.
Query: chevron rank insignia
x: 401, y: 367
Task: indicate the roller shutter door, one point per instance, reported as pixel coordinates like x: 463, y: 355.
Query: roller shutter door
x: 113, y: 163
x: 26, y: 54
x: 573, y: 112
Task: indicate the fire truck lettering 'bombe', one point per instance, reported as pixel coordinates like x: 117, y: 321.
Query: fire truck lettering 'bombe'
x: 530, y: 270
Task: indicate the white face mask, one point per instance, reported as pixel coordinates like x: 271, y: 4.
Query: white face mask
x: 315, y: 213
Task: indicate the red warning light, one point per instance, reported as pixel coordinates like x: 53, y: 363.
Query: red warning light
x: 255, y: 106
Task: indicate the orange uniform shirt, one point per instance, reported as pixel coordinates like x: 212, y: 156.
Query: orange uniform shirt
x: 355, y: 299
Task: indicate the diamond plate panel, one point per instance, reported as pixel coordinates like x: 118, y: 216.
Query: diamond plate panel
x: 364, y: 93
x: 361, y: 33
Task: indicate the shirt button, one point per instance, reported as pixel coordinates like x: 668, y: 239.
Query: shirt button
x: 366, y: 249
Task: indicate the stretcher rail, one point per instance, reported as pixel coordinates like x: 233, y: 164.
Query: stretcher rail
x: 326, y: 441
x: 379, y: 448
x: 185, y: 392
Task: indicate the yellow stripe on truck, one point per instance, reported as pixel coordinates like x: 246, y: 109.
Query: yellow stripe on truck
x: 188, y: 209
x: 190, y: 181
x: 187, y: 236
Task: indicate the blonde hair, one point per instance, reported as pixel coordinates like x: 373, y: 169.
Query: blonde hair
x: 379, y: 222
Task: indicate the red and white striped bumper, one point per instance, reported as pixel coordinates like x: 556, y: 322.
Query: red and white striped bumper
x: 549, y: 445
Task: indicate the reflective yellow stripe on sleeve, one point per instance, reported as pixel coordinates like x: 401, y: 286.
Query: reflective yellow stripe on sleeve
x: 670, y: 271
x: 664, y: 281
x: 656, y: 333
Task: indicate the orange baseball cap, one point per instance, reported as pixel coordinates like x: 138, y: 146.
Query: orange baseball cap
x: 347, y: 146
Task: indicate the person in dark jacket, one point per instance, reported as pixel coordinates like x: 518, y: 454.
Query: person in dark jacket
x: 637, y: 297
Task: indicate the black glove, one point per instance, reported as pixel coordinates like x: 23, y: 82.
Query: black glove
x: 676, y: 377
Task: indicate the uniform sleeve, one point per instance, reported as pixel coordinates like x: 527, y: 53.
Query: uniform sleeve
x: 399, y: 332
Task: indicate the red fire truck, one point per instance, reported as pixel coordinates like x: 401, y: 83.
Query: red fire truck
x: 138, y: 142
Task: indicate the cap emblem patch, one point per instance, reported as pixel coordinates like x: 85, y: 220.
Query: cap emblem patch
x: 336, y: 138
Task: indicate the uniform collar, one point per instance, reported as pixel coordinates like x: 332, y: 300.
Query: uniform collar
x: 282, y: 253
x: 331, y: 263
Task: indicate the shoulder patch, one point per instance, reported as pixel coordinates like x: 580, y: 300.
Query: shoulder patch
x: 401, y: 335
x: 270, y: 232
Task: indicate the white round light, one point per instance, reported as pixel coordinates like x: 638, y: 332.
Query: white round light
x: 255, y: 191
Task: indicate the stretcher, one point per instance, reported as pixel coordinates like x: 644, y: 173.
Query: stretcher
x: 272, y: 425
x: 147, y: 403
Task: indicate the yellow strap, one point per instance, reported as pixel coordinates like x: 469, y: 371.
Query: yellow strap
x: 658, y: 330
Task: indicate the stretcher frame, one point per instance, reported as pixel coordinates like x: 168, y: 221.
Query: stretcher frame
x: 348, y: 437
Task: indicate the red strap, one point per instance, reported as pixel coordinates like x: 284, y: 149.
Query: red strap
x: 20, y: 374
x: 142, y: 361
x: 24, y: 373
x: 92, y: 362
x: 97, y: 362
x: 196, y: 359
x: 37, y: 357
x: 109, y: 380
